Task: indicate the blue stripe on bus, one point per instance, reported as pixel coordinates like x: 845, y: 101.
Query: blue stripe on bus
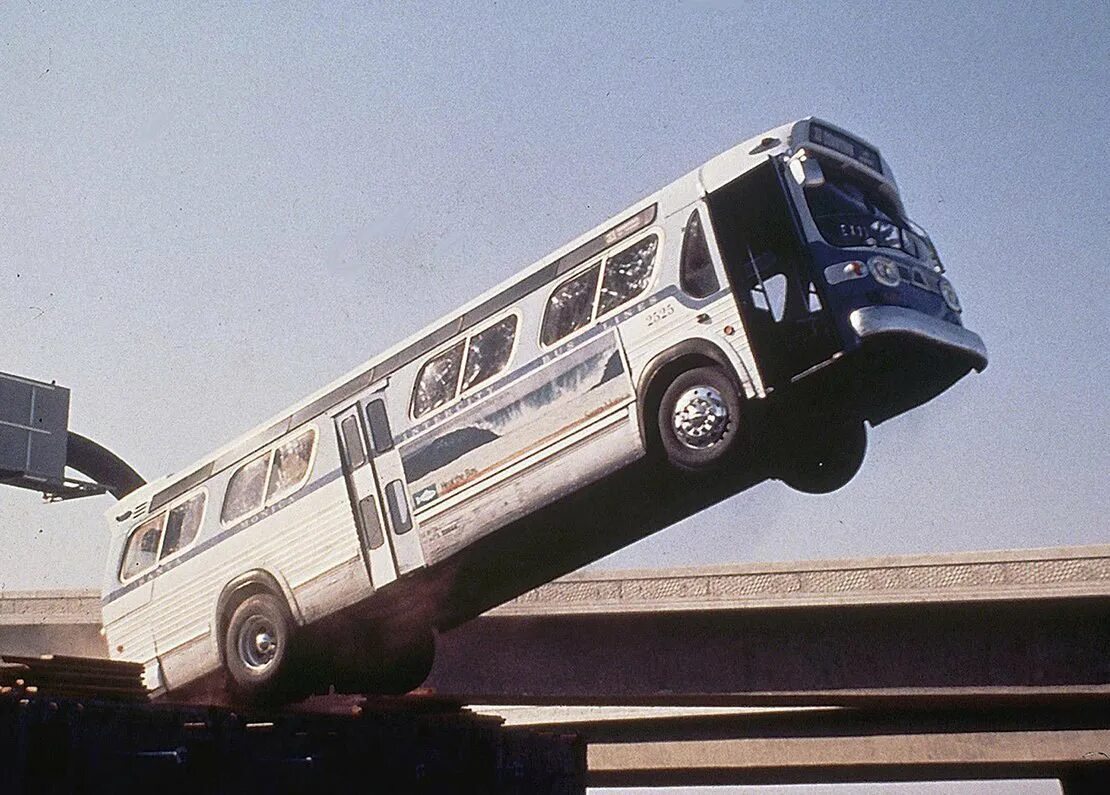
x: 131, y: 585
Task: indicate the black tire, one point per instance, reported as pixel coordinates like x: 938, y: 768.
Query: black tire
x: 826, y: 458
x: 259, y: 647
x: 703, y: 444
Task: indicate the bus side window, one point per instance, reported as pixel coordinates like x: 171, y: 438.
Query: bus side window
x: 183, y: 524
x: 488, y: 352
x: 245, y: 490
x: 438, y: 380
x: 290, y: 468
x: 142, y: 548
x: 627, y: 274
x: 570, y: 306
x: 696, y: 274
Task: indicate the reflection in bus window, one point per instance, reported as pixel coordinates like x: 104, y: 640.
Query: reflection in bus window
x: 627, y: 274
x: 142, y: 548
x: 244, y: 490
x: 438, y: 380
x: 570, y: 306
x: 182, y: 525
x: 290, y: 465
x: 488, y: 352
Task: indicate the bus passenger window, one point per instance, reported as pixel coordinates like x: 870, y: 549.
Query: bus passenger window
x: 438, y: 380
x: 182, y: 525
x: 488, y: 352
x: 696, y: 274
x: 142, y: 548
x: 570, y: 306
x: 627, y: 274
x: 244, y: 490
x: 290, y: 469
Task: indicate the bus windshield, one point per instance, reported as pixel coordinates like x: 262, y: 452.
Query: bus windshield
x: 848, y: 212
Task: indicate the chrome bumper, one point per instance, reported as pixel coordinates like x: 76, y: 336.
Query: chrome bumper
x: 873, y: 321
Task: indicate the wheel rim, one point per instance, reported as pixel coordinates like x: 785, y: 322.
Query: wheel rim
x: 700, y: 417
x: 258, y: 643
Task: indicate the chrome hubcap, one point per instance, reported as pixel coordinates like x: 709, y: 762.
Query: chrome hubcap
x: 258, y: 643
x: 700, y: 417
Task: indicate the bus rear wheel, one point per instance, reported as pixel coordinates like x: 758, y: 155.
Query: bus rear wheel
x: 825, y: 458
x: 258, y: 649
x: 699, y: 418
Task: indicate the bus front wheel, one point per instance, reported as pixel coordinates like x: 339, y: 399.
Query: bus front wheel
x: 699, y: 418
x: 825, y: 458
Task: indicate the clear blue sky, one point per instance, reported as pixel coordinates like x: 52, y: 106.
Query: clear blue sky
x: 208, y: 212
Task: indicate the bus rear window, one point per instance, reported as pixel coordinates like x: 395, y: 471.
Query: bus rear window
x: 142, y: 548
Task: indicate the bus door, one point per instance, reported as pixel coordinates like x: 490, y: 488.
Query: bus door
x: 771, y: 276
x: 365, y: 499
x: 389, y: 473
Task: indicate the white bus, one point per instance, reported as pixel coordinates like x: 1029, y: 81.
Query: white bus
x: 757, y: 312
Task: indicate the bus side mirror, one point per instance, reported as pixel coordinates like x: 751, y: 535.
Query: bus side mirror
x: 806, y: 171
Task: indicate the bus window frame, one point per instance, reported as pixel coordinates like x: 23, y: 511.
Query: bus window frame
x: 460, y: 393
x: 307, y: 429
x: 266, y: 502
x: 164, y: 515
x: 203, y: 491
x: 451, y: 343
x: 625, y: 244
x: 508, y: 362
x: 570, y: 277
x: 652, y: 278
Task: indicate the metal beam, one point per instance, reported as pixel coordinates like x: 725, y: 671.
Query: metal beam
x: 848, y: 745
x: 897, y: 757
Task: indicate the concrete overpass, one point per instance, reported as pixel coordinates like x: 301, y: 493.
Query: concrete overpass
x: 775, y: 633
x: 924, y: 667
x: 970, y: 619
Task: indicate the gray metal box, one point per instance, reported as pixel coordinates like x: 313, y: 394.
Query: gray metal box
x: 34, y: 419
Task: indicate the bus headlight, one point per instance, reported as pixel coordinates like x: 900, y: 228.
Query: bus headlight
x: 948, y: 293
x: 885, y: 271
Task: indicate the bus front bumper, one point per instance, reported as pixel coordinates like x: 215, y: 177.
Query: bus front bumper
x: 872, y: 322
